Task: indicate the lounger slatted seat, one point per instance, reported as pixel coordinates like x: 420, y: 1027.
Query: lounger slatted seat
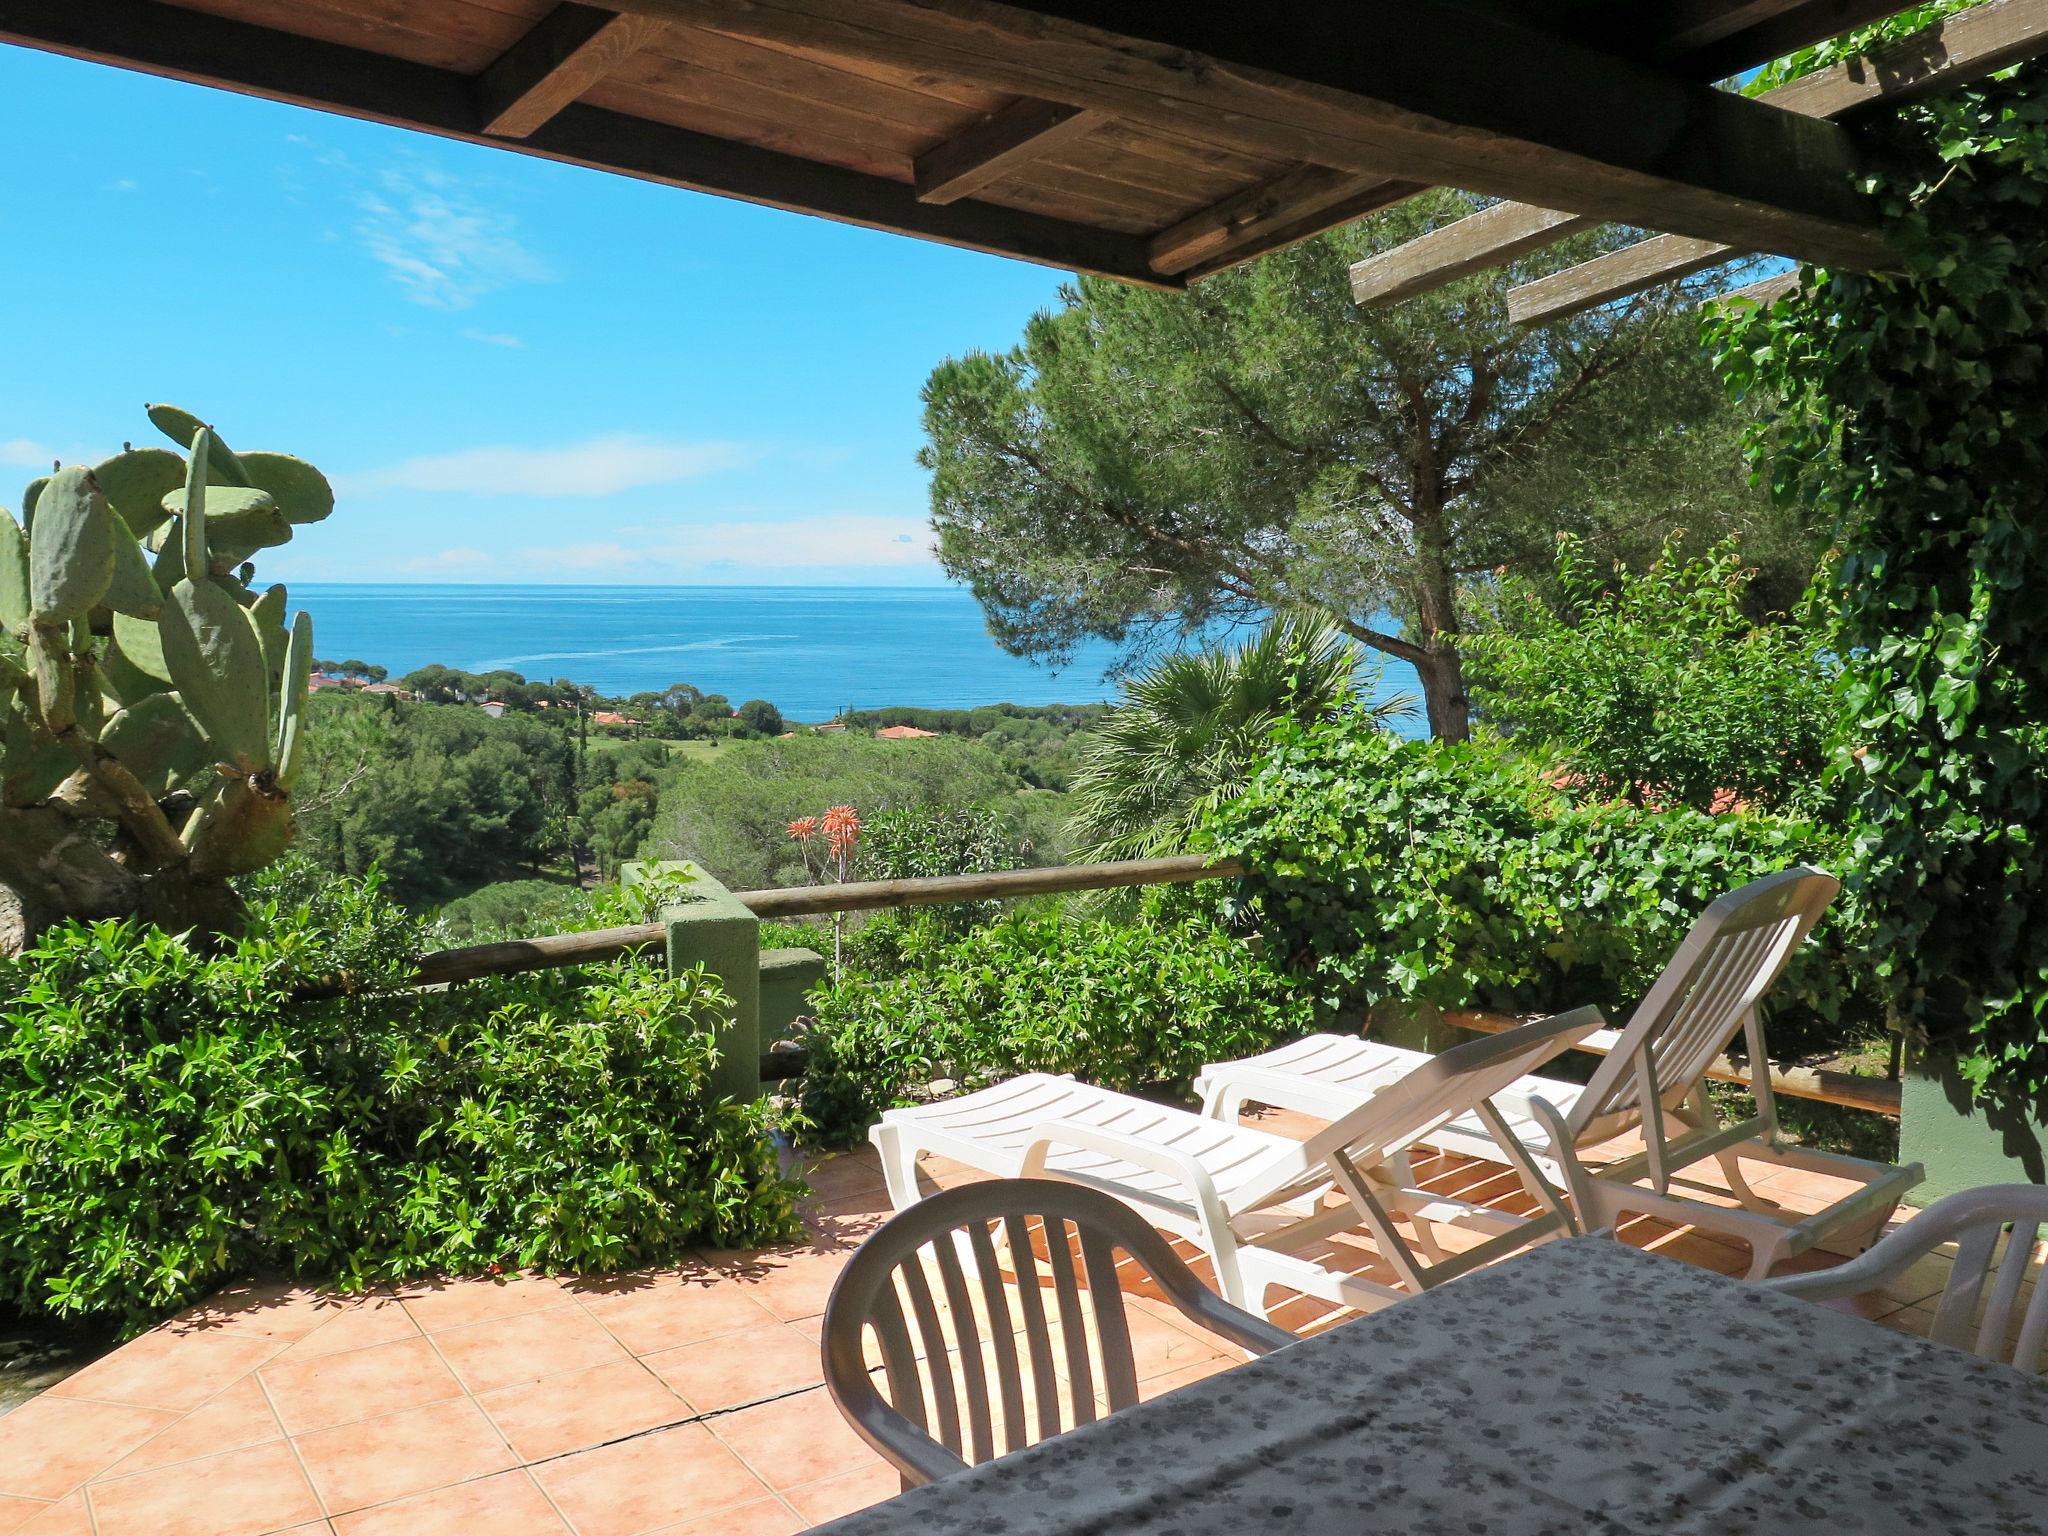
x: 1653, y: 1078
x: 1251, y: 1199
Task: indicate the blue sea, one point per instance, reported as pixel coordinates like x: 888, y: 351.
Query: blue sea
x: 812, y: 651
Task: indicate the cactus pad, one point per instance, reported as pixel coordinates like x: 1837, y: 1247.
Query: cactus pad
x: 71, y: 547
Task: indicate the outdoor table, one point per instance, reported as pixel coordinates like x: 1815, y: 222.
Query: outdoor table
x: 1582, y: 1389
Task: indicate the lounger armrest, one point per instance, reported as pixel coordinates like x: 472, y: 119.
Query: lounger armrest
x: 1048, y: 1134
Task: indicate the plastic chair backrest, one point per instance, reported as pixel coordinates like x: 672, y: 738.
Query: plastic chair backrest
x: 1966, y: 1317
x: 1448, y: 1085
x: 1705, y: 997
x: 967, y: 1359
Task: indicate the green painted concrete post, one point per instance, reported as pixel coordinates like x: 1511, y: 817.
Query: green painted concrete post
x: 708, y: 926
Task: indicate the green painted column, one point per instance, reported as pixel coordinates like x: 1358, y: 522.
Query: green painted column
x: 1963, y: 1143
x: 786, y: 975
x: 708, y: 926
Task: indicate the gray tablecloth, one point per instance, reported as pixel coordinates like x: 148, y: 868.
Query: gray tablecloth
x: 1581, y: 1389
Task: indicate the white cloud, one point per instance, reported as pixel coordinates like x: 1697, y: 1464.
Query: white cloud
x: 22, y: 453
x: 443, y: 247
x: 449, y: 562
x: 598, y: 466
x: 850, y: 541
x: 495, y: 338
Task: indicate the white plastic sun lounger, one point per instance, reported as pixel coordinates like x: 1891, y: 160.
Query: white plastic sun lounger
x: 1250, y: 1198
x: 1654, y: 1077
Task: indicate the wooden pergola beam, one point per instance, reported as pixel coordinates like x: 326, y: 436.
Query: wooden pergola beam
x: 1962, y: 47
x: 568, y: 51
x: 1764, y: 291
x: 1489, y: 238
x: 1254, y: 214
x: 1774, y: 35
x: 206, y: 49
x: 993, y: 147
x: 1711, y: 40
x: 1365, y: 90
x: 1371, y: 199
x: 1615, y: 275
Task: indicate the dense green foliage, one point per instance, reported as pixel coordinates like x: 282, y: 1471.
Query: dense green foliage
x: 919, y: 842
x: 511, y: 909
x: 1129, y: 1006
x: 1145, y: 462
x: 618, y: 807
x: 174, y: 1117
x: 1912, y: 412
x: 731, y: 814
x: 440, y: 797
x: 1038, y: 743
x: 1188, y: 729
x: 1452, y: 874
x: 1657, y: 686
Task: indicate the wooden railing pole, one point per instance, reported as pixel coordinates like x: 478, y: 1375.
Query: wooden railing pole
x: 936, y: 890
x: 565, y: 949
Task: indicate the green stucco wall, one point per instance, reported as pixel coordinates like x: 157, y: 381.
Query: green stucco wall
x: 1962, y: 1144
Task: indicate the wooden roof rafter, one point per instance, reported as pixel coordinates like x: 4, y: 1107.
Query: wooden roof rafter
x: 1962, y: 47
x: 1150, y: 143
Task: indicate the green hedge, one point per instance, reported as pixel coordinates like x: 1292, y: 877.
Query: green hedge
x: 1453, y: 875
x: 1132, y: 1007
x: 174, y: 1118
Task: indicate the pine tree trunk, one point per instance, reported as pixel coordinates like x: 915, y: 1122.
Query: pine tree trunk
x: 1440, y: 667
x: 1442, y: 672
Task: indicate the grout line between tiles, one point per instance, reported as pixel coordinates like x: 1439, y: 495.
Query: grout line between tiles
x: 319, y: 1498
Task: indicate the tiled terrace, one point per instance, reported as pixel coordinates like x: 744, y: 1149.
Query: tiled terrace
x: 674, y: 1401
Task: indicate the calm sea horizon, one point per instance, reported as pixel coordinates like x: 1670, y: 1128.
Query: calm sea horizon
x: 811, y: 651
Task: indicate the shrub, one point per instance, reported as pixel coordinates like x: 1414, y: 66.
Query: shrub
x: 175, y: 1117
x: 918, y: 842
x: 1129, y: 1007
x: 1658, y: 686
x: 510, y: 909
x: 1450, y: 874
x: 731, y: 814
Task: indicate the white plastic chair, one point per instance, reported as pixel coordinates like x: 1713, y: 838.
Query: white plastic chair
x: 1653, y: 1077
x: 1967, y: 1318
x: 1252, y: 1199
x: 917, y: 1425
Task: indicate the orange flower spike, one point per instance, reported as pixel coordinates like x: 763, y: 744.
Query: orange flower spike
x: 803, y: 829
x: 842, y: 827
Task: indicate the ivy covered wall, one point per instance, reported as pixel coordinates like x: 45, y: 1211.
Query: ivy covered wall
x: 1911, y: 409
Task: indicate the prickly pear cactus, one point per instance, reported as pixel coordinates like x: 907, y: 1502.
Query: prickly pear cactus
x: 144, y: 684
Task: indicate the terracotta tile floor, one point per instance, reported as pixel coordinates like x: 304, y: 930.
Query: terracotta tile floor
x: 679, y: 1400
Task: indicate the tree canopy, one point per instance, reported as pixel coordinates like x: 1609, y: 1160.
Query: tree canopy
x: 1143, y: 465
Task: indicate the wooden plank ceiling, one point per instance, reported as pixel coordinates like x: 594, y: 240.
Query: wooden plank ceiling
x: 1145, y: 141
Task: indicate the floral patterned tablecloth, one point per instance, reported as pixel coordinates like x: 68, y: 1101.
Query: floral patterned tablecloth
x: 1581, y: 1389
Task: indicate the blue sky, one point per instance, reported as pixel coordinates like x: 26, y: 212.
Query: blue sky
x: 512, y: 370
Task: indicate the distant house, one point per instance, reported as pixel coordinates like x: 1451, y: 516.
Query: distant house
x: 393, y: 690
x: 320, y: 681
x: 612, y: 717
x: 493, y: 707
x: 830, y: 727
x: 903, y: 733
